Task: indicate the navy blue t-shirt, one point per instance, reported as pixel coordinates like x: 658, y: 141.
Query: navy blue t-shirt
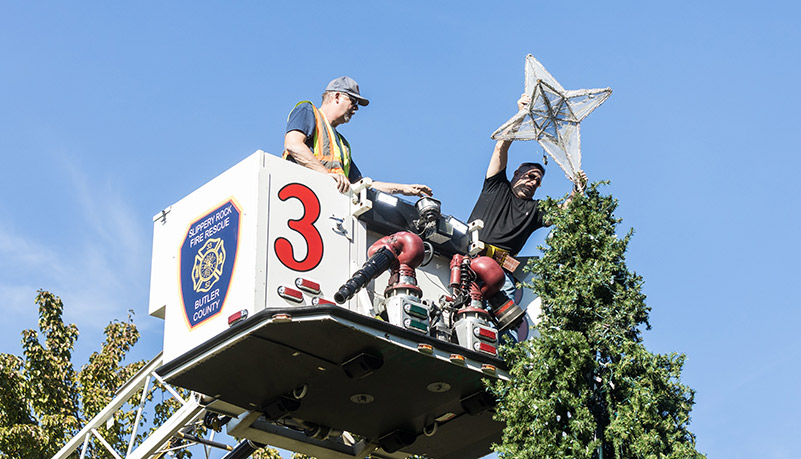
x: 302, y: 119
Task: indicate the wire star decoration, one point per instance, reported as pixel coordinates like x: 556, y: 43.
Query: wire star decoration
x: 552, y: 117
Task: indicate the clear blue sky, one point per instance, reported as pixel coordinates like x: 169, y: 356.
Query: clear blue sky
x: 111, y: 112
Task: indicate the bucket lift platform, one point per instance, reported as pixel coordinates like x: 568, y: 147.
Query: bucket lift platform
x: 325, y: 367
x: 244, y: 273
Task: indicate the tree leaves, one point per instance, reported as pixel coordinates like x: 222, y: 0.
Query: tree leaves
x: 587, y: 387
x: 40, y: 409
x: 44, y: 401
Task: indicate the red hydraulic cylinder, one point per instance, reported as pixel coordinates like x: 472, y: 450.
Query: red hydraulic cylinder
x: 408, y: 247
x: 490, y: 273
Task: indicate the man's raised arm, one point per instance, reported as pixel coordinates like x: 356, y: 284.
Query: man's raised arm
x: 499, y: 157
x: 576, y: 189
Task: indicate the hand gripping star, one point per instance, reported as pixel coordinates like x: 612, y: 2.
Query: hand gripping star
x: 552, y: 117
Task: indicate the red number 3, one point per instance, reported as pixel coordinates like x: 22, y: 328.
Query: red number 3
x: 304, y: 226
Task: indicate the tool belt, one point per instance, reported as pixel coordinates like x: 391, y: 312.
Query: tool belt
x: 502, y: 256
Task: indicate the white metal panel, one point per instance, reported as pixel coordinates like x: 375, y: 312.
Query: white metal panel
x: 293, y: 223
x: 310, y: 232
x: 161, y: 261
x: 183, y: 242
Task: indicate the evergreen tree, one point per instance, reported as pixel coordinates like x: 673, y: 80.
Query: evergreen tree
x: 586, y: 387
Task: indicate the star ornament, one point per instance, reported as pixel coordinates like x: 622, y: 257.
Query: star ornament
x: 552, y: 117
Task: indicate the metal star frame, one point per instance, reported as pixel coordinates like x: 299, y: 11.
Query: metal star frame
x: 552, y: 117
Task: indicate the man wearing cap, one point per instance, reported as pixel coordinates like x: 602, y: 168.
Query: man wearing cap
x: 312, y: 140
x: 509, y: 211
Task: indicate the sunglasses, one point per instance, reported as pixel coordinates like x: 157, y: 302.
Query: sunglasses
x: 352, y: 99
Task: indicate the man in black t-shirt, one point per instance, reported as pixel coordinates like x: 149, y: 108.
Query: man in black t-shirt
x: 509, y: 212
x: 508, y: 208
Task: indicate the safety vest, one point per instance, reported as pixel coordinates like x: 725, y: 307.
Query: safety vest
x: 335, y: 155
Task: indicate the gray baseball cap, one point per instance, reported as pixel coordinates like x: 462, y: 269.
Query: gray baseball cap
x: 349, y: 86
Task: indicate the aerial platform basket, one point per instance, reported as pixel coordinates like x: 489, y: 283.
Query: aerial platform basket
x: 244, y: 274
x: 336, y: 368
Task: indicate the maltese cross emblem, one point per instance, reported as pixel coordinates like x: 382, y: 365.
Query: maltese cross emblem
x: 208, y: 265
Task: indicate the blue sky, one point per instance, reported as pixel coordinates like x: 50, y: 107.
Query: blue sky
x: 110, y: 112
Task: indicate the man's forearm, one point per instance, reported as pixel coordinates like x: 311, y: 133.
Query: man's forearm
x: 499, y: 158
x: 405, y: 189
x: 295, y: 145
x: 568, y: 200
x: 306, y: 158
x: 576, y: 189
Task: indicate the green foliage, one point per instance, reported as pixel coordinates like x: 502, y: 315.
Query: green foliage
x: 266, y: 453
x: 39, y: 406
x: 44, y: 401
x: 587, y: 387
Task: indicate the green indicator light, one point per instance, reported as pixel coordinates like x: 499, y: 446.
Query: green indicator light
x: 417, y: 325
x: 417, y: 311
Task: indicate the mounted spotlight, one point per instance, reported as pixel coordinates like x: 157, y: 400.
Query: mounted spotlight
x: 429, y: 222
x: 428, y: 209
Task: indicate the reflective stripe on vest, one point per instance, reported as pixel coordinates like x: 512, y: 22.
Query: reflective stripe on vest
x: 335, y: 156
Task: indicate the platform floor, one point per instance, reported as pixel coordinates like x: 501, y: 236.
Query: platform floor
x: 257, y: 361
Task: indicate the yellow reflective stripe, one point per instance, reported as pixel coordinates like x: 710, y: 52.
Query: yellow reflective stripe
x: 335, y: 155
x: 346, y: 156
x: 335, y: 150
x: 319, y: 140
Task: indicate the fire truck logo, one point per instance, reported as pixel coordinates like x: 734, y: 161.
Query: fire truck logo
x: 208, y: 265
x: 207, y: 260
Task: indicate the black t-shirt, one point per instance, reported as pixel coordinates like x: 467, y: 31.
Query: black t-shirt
x: 508, y: 220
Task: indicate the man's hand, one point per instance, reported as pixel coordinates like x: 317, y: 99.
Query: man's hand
x: 415, y: 190
x: 342, y: 182
x: 579, y: 187
x: 523, y: 101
